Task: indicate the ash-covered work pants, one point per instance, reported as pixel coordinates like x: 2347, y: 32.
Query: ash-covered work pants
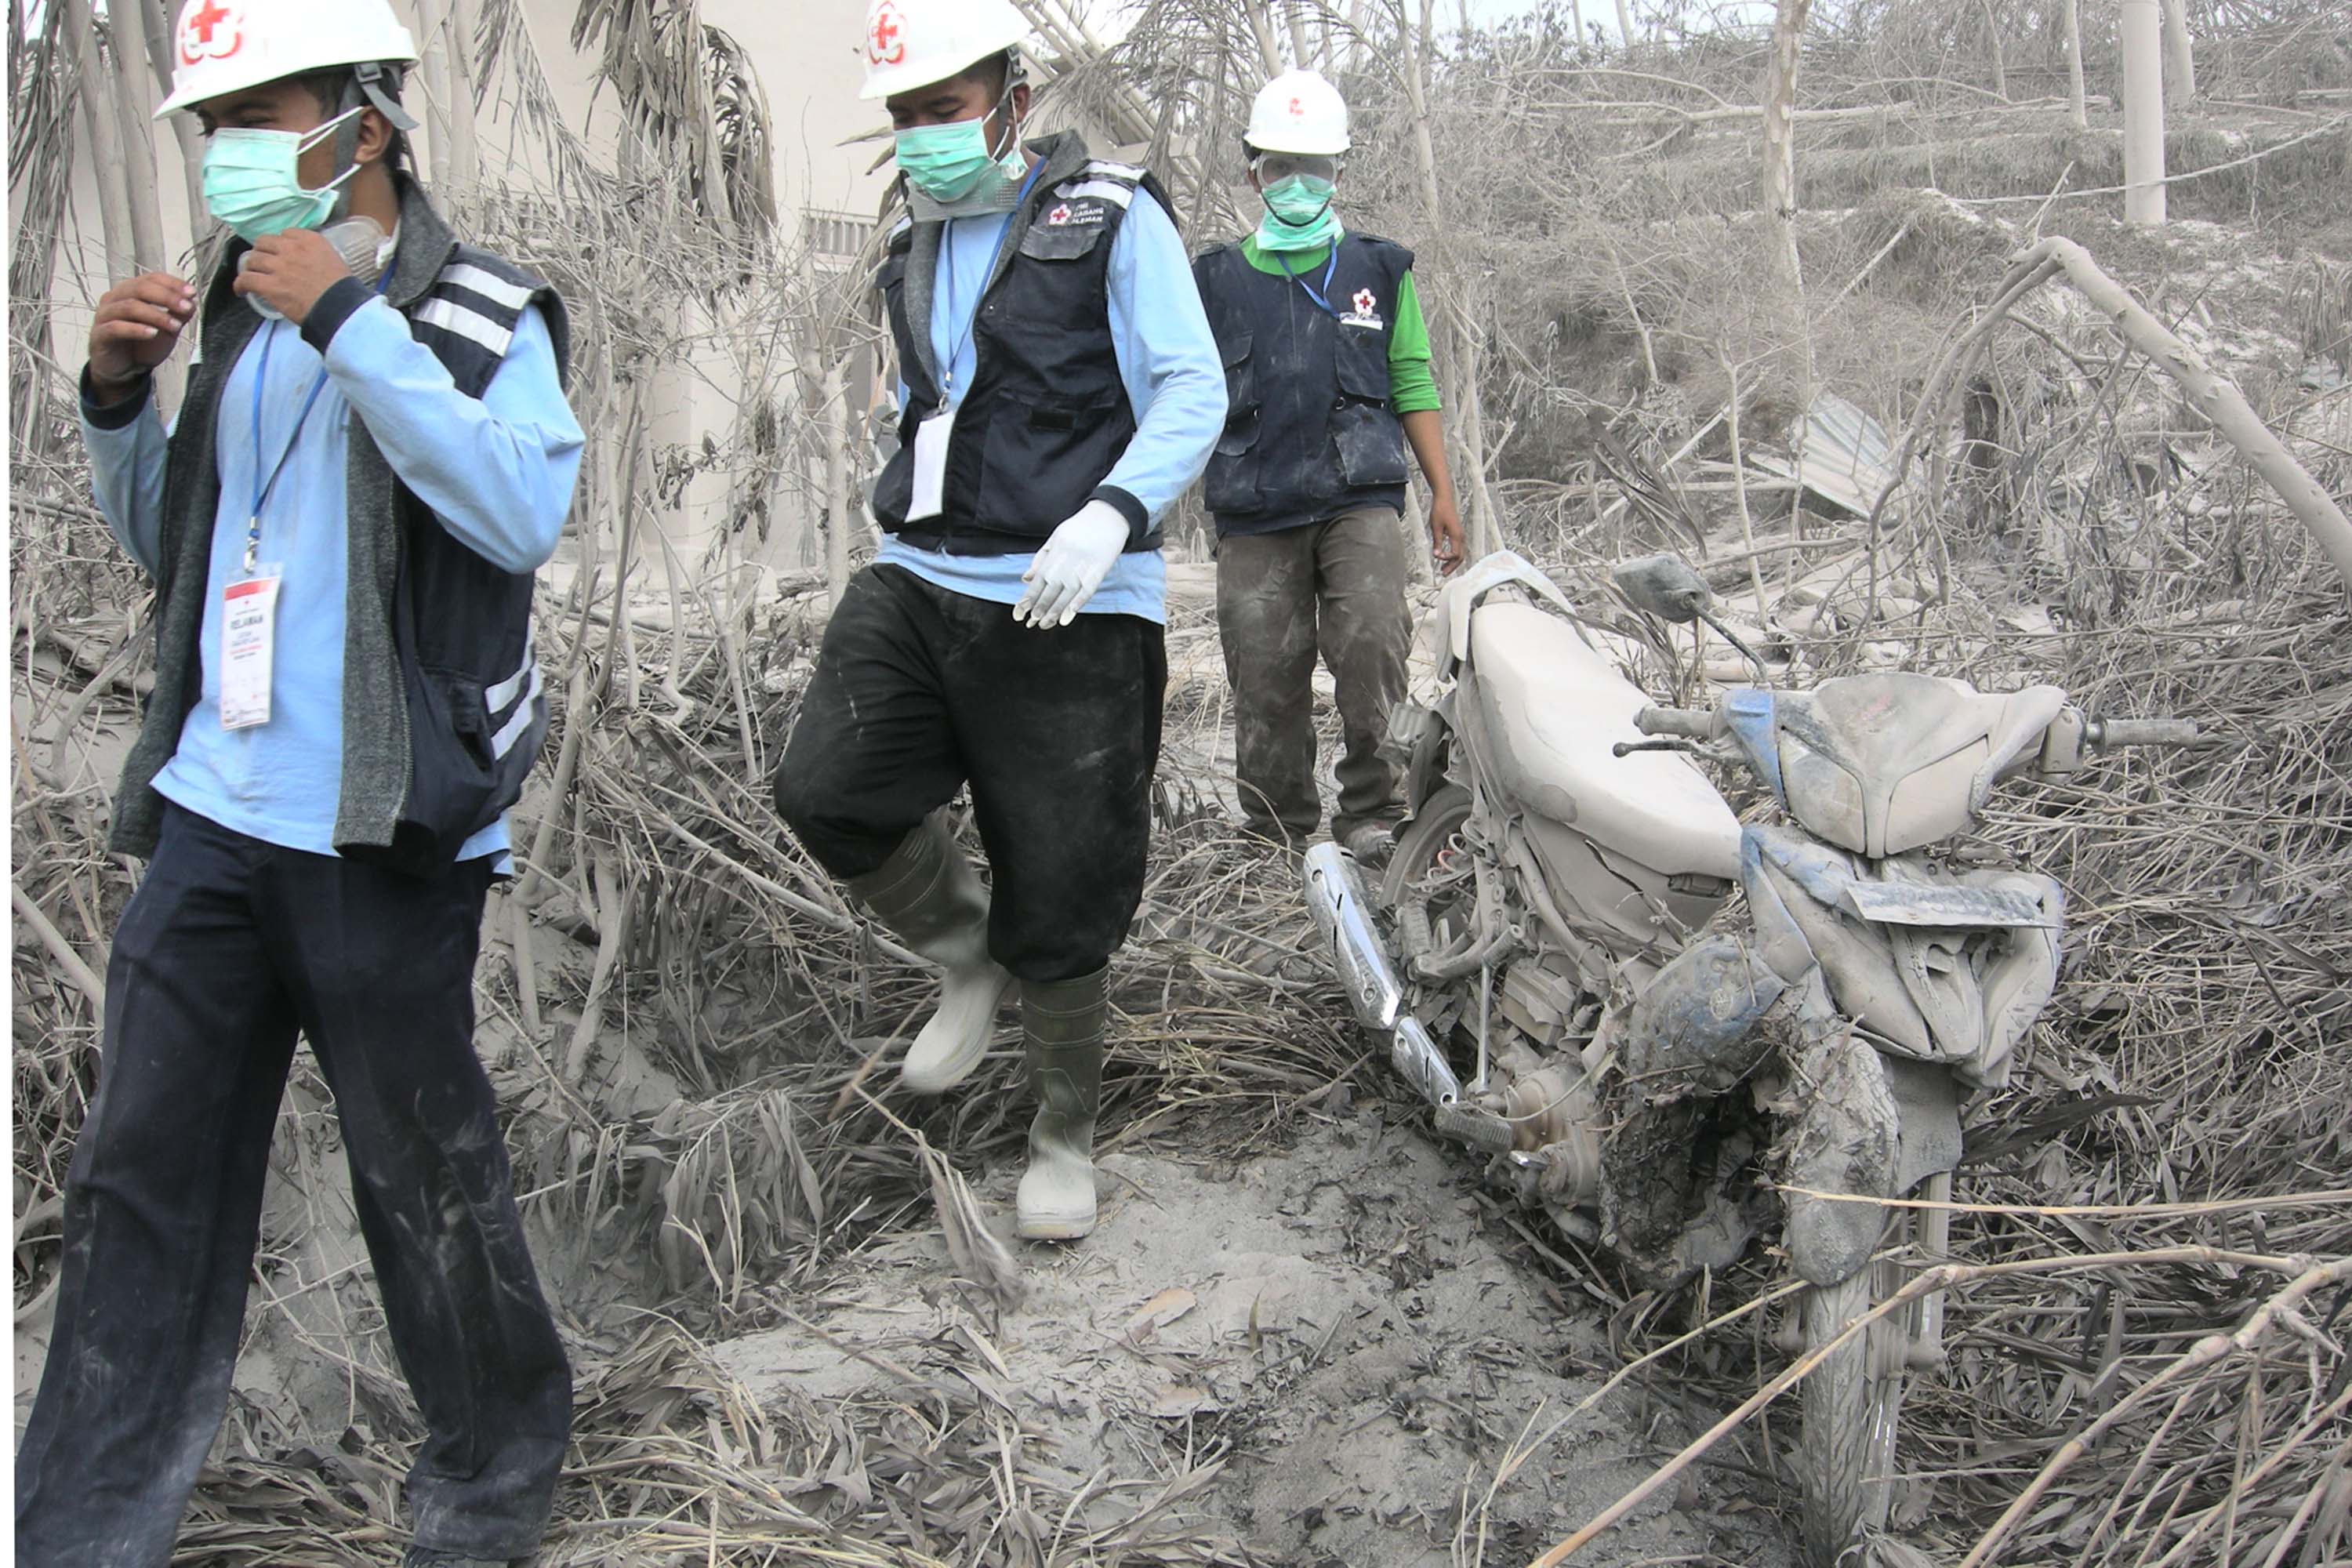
x: 1338, y: 588
x: 919, y: 691
x: 229, y: 949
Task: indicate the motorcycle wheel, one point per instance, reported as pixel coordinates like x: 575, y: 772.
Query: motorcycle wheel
x: 1422, y: 840
x: 1852, y: 1401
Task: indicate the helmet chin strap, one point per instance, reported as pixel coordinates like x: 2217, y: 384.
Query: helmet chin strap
x: 1012, y: 137
x: 366, y: 90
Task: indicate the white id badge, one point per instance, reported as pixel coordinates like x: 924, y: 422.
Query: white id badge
x: 932, y: 466
x: 248, y: 635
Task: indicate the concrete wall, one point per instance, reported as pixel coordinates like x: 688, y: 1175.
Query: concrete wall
x: 807, y: 55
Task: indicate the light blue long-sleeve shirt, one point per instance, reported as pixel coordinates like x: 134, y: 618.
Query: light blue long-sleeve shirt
x: 498, y: 470
x: 1175, y: 382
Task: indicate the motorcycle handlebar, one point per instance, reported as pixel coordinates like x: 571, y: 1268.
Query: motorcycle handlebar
x: 2108, y: 733
x: 1706, y: 724
x: 1684, y: 724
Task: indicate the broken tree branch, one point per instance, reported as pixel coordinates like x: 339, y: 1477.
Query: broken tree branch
x: 2215, y: 395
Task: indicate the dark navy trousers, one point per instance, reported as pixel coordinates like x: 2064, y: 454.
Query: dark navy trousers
x: 230, y: 948
x: 919, y: 692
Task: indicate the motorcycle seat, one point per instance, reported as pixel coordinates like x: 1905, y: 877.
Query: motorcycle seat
x: 1555, y: 708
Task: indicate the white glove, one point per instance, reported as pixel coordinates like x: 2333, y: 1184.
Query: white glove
x: 1072, y: 567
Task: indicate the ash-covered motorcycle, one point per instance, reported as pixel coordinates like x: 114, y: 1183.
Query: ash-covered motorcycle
x: 1660, y: 1079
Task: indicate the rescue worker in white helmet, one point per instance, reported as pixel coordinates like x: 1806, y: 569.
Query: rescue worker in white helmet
x: 373, y: 456
x: 1328, y: 366
x: 1060, y: 391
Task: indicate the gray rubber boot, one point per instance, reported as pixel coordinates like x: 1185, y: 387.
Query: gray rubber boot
x: 929, y: 894
x: 1064, y: 1023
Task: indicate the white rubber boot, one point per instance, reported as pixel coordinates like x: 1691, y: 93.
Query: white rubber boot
x: 1064, y: 1024
x: 929, y: 894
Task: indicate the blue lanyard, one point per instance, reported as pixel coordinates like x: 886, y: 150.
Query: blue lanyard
x: 1321, y: 296
x: 963, y: 335
x: 263, y: 485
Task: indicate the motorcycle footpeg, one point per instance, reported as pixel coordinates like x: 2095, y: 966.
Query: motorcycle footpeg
x: 1480, y: 1128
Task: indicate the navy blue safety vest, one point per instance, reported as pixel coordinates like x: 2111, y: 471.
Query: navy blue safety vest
x: 1047, y: 416
x: 1308, y: 430
x: 477, y: 698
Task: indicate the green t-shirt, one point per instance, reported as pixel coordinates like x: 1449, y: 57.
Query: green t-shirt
x: 1411, y: 389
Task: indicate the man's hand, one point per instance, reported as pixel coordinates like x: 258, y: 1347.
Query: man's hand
x: 1445, y: 535
x: 290, y: 270
x: 137, y: 328
x: 1072, y: 567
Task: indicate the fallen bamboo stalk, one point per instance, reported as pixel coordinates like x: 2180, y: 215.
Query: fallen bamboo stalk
x: 85, y: 979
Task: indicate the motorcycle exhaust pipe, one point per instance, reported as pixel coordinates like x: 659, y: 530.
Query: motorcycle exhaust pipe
x: 1342, y: 910
x: 1343, y: 913
x: 1420, y: 1063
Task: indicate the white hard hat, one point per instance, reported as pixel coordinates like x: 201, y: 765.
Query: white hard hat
x: 227, y: 45
x: 914, y: 43
x: 1299, y: 111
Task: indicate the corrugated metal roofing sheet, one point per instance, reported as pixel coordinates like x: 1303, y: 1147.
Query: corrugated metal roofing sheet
x: 1849, y: 459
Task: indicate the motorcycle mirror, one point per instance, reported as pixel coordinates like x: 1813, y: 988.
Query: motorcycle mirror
x: 1663, y: 586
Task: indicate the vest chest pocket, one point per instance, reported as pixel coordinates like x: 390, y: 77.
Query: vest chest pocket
x: 1058, y: 268
x: 1066, y: 241
x: 1370, y: 441
x: 1360, y: 355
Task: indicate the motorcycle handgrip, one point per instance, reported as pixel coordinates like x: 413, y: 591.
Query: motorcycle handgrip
x: 2108, y: 733
x: 1687, y: 724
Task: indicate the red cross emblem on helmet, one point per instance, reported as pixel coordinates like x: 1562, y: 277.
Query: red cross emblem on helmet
x: 886, y: 44
x: 210, y: 31
x: 1366, y: 301
x: 1299, y: 109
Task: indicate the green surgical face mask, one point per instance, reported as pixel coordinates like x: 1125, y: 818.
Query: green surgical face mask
x: 250, y: 183
x: 1298, y: 216
x: 949, y: 162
